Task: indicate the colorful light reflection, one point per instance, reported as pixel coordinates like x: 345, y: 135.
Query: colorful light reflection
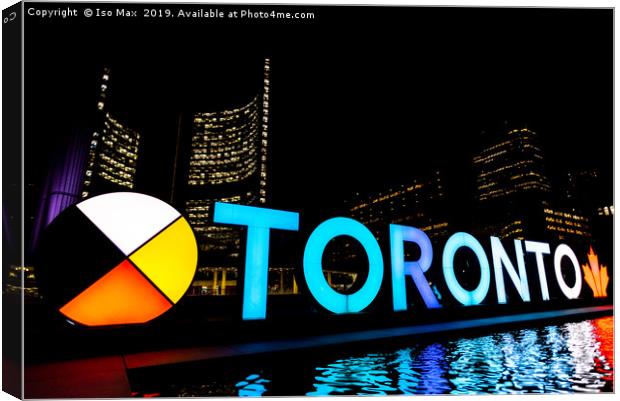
x: 568, y: 358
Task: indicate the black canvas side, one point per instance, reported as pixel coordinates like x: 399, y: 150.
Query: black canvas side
x: 12, y: 201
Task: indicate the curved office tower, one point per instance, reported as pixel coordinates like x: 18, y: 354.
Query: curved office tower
x: 113, y: 151
x: 227, y: 163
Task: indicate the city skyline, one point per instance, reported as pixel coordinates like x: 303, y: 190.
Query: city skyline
x: 216, y: 205
x: 350, y: 112
x: 366, y: 146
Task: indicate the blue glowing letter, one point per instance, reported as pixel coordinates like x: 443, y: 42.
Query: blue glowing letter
x: 500, y: 258
x: 540, y: 248
x: 313, y: 266
x: 259, y: 221
x: 399, y: 234
x: 465, y: 297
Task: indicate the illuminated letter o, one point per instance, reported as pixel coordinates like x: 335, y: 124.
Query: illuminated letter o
x: 329, y: 298
x: 561, y: 251
x: 456, y: 241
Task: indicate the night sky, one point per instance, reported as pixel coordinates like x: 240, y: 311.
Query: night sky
x: 362, y: 97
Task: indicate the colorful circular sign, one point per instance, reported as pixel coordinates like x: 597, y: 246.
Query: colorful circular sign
x: 119, y: 258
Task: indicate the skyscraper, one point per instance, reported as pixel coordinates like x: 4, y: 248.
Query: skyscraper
x: 514, y: 193
x: 567, y: 224
x: 585, y: 191
x: 512, y: 187
x: 421, y: 203
x: 511, y: 167
x: 227, y: 162
x: 113, y: 150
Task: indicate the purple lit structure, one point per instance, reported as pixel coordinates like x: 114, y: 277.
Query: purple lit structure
x: 63, y: 184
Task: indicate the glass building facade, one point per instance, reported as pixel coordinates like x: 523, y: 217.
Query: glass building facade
x: 566, y: 224
x: 512, y: 166
x: 511, y: 186
x: 420, y: 203
x: 228, y: 154
x: 113, y: 151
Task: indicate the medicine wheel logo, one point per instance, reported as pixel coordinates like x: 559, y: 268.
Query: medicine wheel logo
x: 115, y: 259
